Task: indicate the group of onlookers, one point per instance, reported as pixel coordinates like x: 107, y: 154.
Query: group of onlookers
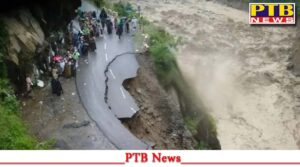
x: 64, y: 63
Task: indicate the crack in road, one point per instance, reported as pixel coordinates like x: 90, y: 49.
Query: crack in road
x: 107, y: 70
x: 107, y: 79
x: 91, y: 89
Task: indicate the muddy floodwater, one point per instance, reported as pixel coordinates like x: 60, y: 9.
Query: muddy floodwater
x: 240, y: 71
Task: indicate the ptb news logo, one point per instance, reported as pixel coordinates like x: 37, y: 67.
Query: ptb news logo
x: 272, y: 13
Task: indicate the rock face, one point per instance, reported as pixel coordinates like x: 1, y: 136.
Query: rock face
x: 29, y: 24
x: 25, y: 35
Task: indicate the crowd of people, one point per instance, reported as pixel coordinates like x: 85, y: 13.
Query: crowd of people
x: 94, y: 26
x: 64, y: 62
x: 66, y: 48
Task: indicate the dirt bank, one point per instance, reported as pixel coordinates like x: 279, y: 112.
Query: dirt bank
x: 63, y: 119
x: 239, y: 71
x: 159, y: 120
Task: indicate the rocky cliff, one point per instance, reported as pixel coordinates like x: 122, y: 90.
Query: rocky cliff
x: 29, y: 26
x: 25, y: 35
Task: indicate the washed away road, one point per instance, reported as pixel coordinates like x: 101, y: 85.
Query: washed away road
x: 100, y: 76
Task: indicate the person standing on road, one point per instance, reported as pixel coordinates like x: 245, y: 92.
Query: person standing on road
x: 94, y: 15
x: 120, y: 28
x: 127, y: 21
x: 116, y: 23
x: 73, y: 67
x: 109, y: 26
x: 103, y: 16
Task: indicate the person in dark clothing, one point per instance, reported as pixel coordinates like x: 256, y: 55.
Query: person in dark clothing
x: 94, y: 15
x: 83, y: 47
x: 120, y: 29
x: 109, y: 26
x: 127, y: 21
x: 56, y: 87
x: 92, y: 32
x: 103, y: 16
x: 81, y: 13
x: 96, y: 30
x: 75, y: 39
x: 92, y: 43
x: 116, y: 23
x: 73, y: 67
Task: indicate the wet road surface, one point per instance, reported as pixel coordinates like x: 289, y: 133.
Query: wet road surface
x: 91, y: 87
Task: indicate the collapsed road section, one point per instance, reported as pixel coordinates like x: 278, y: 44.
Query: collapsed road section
x: 124, y: 66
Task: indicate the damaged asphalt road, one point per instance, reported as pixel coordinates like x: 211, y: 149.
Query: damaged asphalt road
x: 92, y: 88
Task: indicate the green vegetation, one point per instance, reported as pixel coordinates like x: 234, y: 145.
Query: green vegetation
x: 192, y: 123
x: 161, y: 48
x: 13, y: 132
x: 160, y: 45
x: 124, y: 10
